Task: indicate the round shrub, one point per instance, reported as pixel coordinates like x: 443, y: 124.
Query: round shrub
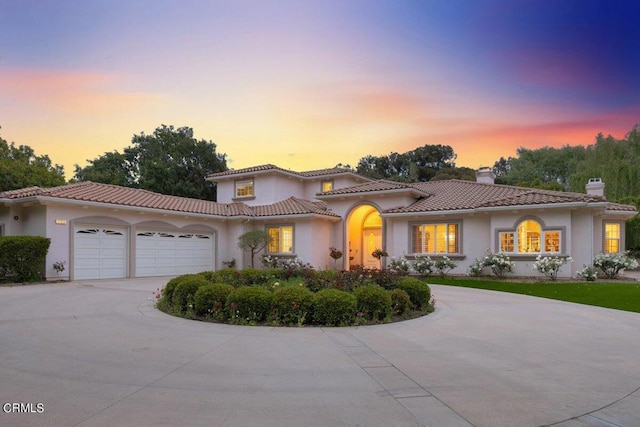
x: 418, y: 291
x: 249, y: 303
x: 400, y: 301
x: 373, y: 301
x: 185, y: 291
x: 211, y: 299
x: 293, y: 304
x: 334, y: 307
x: 169, y: 288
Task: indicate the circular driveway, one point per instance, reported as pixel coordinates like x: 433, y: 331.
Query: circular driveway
x: 98, y: 353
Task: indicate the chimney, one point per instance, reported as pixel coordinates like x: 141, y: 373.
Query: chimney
x: 485, y: 175
x: 595, y: 187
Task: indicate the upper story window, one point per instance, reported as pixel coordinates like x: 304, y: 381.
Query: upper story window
x: 326, y: 185
x: 281, y: 239
x: 244, y: 188
x: 440, y: 238
x: 529, y: 237
x: 611, y: 237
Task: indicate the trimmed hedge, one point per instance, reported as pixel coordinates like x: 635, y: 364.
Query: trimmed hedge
x: 400, y: 301
x: 333, y: 307
x: 169, y: 288
x: 374, y: 302
x: 418, y: 291
x: 248, y: 303
x: 22, y: 258
x: 210, y: 300
x: 185, y: 291
x: 293, y: 305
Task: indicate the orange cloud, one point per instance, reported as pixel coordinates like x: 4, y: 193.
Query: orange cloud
x: 70, y: 91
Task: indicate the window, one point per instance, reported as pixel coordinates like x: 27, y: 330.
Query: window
x: 244, y: 188
x: 529, y: 237
x: 281, y: 239
x: 611, y: 238
x: 435, y: 238
x: 326, y: 186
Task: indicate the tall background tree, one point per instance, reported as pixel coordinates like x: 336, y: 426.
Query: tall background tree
x: 21, y: 167
x: 170, y: 161
x: 418, y: 165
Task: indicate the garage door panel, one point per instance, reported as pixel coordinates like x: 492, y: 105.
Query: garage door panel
x: 161, y: 253
x: 100, y: 252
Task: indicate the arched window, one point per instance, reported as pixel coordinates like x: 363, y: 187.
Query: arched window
x: 529, y: 232
x: 530, y: 237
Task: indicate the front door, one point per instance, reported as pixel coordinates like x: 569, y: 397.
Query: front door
x: 371, y: 240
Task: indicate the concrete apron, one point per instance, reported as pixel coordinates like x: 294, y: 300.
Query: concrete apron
x: 98, y: 353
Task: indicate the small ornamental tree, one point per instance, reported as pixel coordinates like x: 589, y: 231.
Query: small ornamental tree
x: 379, y: 254
x: 254, y: 241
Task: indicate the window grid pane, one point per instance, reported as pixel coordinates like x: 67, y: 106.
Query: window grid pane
x: 612, y: 238
x: 434, y: 238
x: 552, y: 241
x: 507, y: 242
x: 244, y: 188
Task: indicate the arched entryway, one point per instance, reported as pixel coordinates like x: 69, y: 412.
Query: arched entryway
x: 364, y: 235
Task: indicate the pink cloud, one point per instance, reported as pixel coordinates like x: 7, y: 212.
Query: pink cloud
x: 70, y: 91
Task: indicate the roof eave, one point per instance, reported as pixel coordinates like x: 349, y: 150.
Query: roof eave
x: 297, y: 216
x: 104, y: 205
x: 396, y: 191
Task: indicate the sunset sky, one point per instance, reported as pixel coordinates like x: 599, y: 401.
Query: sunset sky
x: 308, y: 84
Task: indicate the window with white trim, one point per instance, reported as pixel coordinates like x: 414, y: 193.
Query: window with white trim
x: 611, y: 237
x: 326, y: 185
x: 437, y: 238
x: 281, y: 239
x: 529, y: 237
x: 244, y: 188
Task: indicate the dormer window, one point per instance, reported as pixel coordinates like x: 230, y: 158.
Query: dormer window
x: 326, y: 186
x: 244, y: 188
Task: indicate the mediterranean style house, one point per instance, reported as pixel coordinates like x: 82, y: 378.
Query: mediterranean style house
x: 104, y: 231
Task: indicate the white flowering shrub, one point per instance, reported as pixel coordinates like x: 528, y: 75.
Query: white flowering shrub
x: 423, y: 265
x: 444, y: 265
x: 588, y: 273
x: 400, y: 264
x: 613, y: 264
x: 500, y: 263
x: 549, y: 266
x: 476, y: 268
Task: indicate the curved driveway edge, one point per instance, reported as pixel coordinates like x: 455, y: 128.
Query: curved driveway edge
x: 98, y: 353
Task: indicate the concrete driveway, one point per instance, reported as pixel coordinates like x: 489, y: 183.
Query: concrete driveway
x: 98, y: 354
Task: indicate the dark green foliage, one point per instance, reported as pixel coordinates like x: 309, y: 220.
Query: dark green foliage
x: 185, y: 291
x: 20, y: 167
x: 334, y: 307
x: 249, y: 303
x: 22, y: 258
x: 293, y: 305
x: 254, y: 276
x: 171, y: 161
x: 418, y: 165
x: 418, y: 291
x: 373, y: 301
x: 400, y: 301
x: 167, y: 291
x: 210, y: 300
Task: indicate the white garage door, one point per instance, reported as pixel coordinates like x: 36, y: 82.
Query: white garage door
x: 100, y: 252
x: 162, y: 253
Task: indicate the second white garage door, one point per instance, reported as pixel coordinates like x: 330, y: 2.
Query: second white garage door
x: 163, y: 253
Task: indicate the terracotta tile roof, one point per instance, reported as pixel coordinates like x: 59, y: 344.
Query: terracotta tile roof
x: 112, y: 194
x: 293, y: 206
x: 269, y: 167
x: 375, y: 187
x: 457, y: 195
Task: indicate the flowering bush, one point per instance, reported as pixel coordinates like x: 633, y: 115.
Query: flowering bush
x: 500, y: 263
x: 444, y: 265
x: 423, y: 265
x: 400, y: 264
x: 614, y: 264
x: 588, y: 273
x: 476, y: 268
x: 549, y: 266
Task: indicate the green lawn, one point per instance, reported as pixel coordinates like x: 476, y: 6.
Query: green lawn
x: 619, y: 295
